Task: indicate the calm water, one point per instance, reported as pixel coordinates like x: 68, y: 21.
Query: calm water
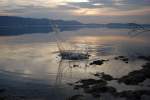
x: 30, y: 66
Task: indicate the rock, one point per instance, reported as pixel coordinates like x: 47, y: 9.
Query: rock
x: 133, y: 95
x: 75, y: 66
x: 147, y: 58
x: 2, y: 90
x: 87, y: 82
x: 75, y: 97
x: 119, y: 57
x: 95, y: 87
x: 147, y: 65
x: 122, y: 58
x: 102, y: 89
x: 71, y: 84
x: 133, y: 78
x: 138, y: 76
x: 98, y: 62
x: 104, y: 76
x: 2, y: 98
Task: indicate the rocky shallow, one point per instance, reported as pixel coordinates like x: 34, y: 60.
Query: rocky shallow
x: 97, y: 87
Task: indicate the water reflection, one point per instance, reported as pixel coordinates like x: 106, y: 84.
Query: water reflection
x: 30, y: 51
x: 67, y: 69
x: 34, y: 58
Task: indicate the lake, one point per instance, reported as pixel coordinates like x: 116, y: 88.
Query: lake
x: 30, y: 66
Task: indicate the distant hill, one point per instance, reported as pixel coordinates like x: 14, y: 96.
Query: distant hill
x: 12, y: 21
x: 12, y: 25
x: 20, y: 21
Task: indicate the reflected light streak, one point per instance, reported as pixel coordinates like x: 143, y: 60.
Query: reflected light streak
x: 103, y: 39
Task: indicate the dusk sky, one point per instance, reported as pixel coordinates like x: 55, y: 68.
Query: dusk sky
x: 87, y: 11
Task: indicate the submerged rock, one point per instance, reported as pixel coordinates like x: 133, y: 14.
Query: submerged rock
x: 97, y: 87
x: 147, y: 58
x: 122, y: 58
x: 94, y: 87
x: 75, y: 66
x: 133, y: 78
x: 146, y: 66
x: 13, y: 97
x: 88, y: 82
x: 119, y: 57
x: 76, y: 97
x: 104, y: 76
x: 98, y: 62
x: 2, y: 90
x: 134, y: 95
x: 136, y: 77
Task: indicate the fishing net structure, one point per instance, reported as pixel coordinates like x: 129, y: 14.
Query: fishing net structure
x: 65, y: 53
x: 137, y: 29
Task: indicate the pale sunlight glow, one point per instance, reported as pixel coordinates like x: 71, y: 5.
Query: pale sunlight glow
x: 103, y: 39
x: 108, y: 12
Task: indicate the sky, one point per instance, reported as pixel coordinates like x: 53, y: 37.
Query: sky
x: 86, y: 11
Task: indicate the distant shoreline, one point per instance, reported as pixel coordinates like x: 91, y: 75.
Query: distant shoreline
x: 11, y: 25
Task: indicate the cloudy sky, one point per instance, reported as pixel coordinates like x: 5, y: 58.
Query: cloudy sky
x: 87, y: 11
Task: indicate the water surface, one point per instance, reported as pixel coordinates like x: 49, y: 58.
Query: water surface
x: 30, y: 65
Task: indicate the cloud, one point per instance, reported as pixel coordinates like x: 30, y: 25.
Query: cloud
x: 39, y: 3
x: 110, y: 12
x: 74, y: 4
x: 74, y: 8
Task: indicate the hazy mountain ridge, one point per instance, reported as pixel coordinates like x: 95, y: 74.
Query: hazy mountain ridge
x: 13, y: 25
x: 17, y: 21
